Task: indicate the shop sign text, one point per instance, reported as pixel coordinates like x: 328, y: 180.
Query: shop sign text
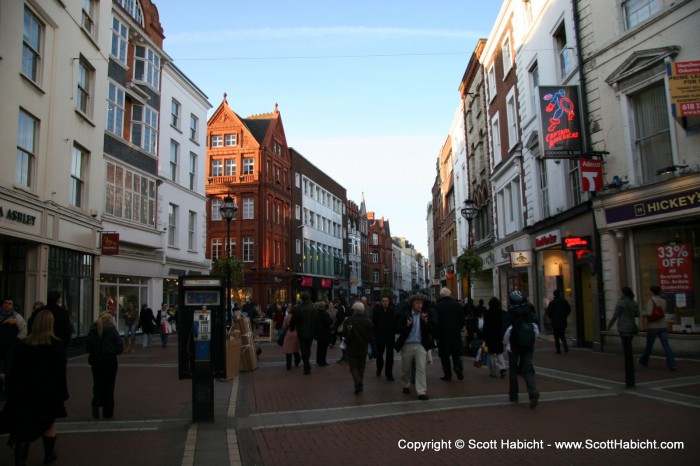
x: 674, y: 267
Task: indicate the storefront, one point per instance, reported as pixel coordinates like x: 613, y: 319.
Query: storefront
x: 506, y: 277
x: 319, y: 288
x: 652, y: 235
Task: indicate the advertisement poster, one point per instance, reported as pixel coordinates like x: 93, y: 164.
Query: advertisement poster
x: 674, y: 267
x: 684, y: 88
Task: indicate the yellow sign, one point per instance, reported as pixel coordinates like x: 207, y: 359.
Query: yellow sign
x: 684, y: 88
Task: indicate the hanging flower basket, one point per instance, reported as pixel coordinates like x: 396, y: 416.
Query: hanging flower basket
x: 469, y: 264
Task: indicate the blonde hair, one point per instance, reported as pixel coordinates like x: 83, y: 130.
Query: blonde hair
x: 42, y: 329
x: 104, y: 319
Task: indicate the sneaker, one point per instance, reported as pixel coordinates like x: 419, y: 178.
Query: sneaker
x: 534, y: 399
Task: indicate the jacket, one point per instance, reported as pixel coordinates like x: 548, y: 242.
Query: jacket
x: 107, y: 347
x: 304, y: 320
x: 62, y: 327
x: 625, y: 312
x: 428, y: 330
x: 450, y: 320
x: 323, y: 325
x: 359, y: 332
x: 557, y: 311
x: 147, y: 321
x: 513, y: 318
x: 384, y: 321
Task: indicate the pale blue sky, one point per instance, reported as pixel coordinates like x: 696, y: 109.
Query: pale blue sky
x: 367, y: 89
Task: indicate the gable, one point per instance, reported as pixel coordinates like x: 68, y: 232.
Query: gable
x: 639, y: 61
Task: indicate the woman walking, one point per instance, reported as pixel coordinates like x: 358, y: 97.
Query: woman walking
x: 291, y: 342
x: 493, y: 324
x: 147, y: 322
x: 626, y: 311
x: 37, y: 390
x: 103, y: 345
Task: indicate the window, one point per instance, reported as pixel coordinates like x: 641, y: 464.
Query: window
x: 193, y: 171
x: 564, y: 52
x: 83, y: 102
x: 216, y: 248
x: 174, y: 154
x: 217, y: 168
x: 172, y: 224
x: 248, y: 249
x: 175, y: 108
x: 248, y: 166
x: 375, y: 239
x: 230, y: 169
x: 230, y: 139
x: 637, y: 11
x: 194, y: 127
x: 375, y: 257
x: 217, y: 140
x: 496, y: 140
x: 215, y: 212
x: 77, y: 171
x: 191, y: 227
x: 31, y: 46
x: 248, y: 208
x: 120, y: 38
x: 506, y: 55
x: 144, y: 124
x: 544, y: 188
x: 133, y: 7
x: 375, y: 276
x: 147, y: 66
x: 25, y: 160
x: 574, y: 182
x: 130, y: 195
x: 512, y: 115
x: 87, y: 17
x: 492, y: 82
x: 652, y: 137
x: 115, y: 109
x: 534, y: 83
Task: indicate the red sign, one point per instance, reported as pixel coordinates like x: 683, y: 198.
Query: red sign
x: 591, y: 174
x: 674, y: 266
x: 326, y: 283
x: 110, y: 243
x: 576, y: 242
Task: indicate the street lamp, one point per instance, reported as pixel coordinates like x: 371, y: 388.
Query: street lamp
x: 469, y: 212
x: 228, y: 211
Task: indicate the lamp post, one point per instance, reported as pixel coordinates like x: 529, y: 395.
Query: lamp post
x: 228, y: 211
x: 469, y: 212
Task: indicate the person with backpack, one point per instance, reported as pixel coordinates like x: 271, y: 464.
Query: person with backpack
x: 359, y: 336
x: 656, y: 326
x: 519, y: 339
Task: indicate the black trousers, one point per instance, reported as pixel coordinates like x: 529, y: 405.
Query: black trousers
x: 104, y: 376
x: 629, y: 359
x: 447, y: 351
x: 357, y: 369
x: 321, y: 351
x: 305, y: 348
x: 385, y: 355
x: 559, y: 336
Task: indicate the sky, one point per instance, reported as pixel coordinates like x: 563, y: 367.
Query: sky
x: 367, y: 89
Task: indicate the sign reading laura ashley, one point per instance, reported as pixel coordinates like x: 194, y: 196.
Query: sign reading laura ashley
x: 15, y: 215
x: 655, y: 206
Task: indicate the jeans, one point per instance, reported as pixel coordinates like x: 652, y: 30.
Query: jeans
x: 662, y: 333
x: 520, y: 364
x: 130, y: 331
x: 410, y: 353
x: 146, y: 340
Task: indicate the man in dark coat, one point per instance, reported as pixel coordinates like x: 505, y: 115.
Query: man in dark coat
x: 61, y: 319
x: 416, y: 329
x: 304, y: 321
x: 450, y: 322
x: 557, y: 311
x: 518, y: 316
x: 384, y: 320
x: 359, y: 334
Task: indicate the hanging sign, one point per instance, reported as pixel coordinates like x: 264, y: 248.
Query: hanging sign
x: 591, y: 174
x: 560, y: 121
x: 110, y: 243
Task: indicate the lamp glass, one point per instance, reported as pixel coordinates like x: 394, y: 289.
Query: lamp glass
x: 228, y: 208
x: 469, y: 211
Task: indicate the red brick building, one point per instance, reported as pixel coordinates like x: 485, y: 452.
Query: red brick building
x: 380, y: 255
x: 248, y: 159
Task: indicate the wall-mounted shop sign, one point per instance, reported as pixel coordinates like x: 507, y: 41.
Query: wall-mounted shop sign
x: 684, y: 88
x: 573, y: 243
x: 14, y: 215
x: 110, y: 243
x: 547, y: 240
x: 560, y: 121
x: 520, y: 259
x: 655, y: 206
x: 591, y: 174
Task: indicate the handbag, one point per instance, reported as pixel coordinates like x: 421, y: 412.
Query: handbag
x: 280, y: 340
x: 657, y: 312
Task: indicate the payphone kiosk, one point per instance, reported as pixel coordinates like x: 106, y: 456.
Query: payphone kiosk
x: 201, y: 342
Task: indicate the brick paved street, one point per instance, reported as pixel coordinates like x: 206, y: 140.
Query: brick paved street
x: 286, y: 418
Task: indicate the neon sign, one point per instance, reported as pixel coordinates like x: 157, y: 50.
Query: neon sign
x: 561, y: 125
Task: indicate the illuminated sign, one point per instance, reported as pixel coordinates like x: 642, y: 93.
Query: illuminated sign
x: 520, y: 259
x: 591, y: 174
x: 560, y: 121
x: 553, y: 238
x: 576, y: 242
x: 655, y: 206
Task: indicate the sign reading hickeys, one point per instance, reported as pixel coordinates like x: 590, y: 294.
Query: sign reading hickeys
x: 655, y: 206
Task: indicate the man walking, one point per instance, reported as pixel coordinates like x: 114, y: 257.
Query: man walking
x: 557, y: 311
x: 384, y: 320
x: 450, y: 322
x: 61, y: 319
x: 304, y: 321
x: 359, y: 335
x: 416, y: 329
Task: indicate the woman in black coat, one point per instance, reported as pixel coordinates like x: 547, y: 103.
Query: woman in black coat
x: 147, y: 322
x: 37, y: 390
x: 103, y: 345
x: 493, y: 322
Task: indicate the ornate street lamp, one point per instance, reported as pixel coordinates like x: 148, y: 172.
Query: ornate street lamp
x: 228, y: 211
x: 469, y: 212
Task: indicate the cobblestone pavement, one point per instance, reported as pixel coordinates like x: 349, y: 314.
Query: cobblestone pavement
x: 272, y: 416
